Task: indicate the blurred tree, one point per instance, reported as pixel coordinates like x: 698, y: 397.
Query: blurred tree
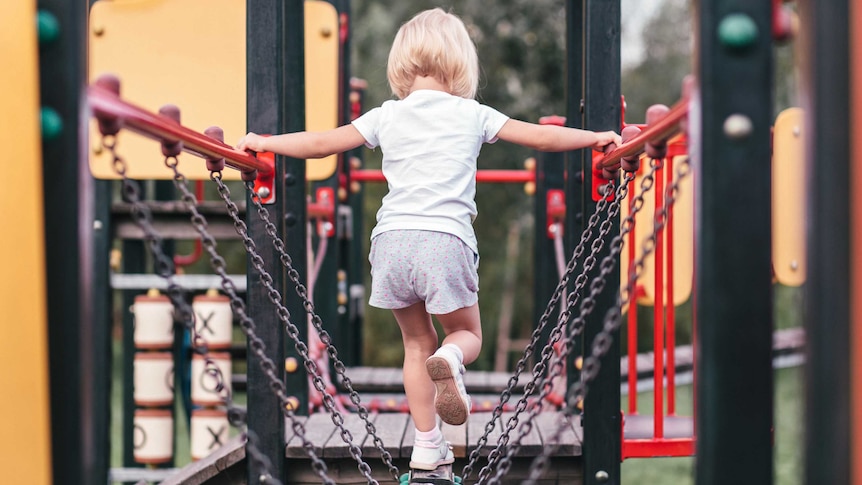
x: 667, y: 46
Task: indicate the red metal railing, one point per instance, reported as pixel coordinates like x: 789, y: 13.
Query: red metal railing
x: 662, y: 129
x: 664, y: 316
x: 103, y: 97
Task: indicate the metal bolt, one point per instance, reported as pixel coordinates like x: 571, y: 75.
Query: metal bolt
x: 602, y: 476
x: 97, y: 224
x: 797, y: 131
x: 291, y: 364
x: 738, y: 126
x: 99, y: 31
x: 325, y: 31
x: 263, y: 192
x: 794, y: 265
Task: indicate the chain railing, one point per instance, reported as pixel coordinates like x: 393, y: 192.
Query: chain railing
x: 183, y: 311
x: 612, y: 320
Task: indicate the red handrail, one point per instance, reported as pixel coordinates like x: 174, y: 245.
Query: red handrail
x: 661, y: 130
x: 106, y: 105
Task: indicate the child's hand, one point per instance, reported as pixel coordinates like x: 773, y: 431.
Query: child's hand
x: 606, y: 138
x: 251, y: 141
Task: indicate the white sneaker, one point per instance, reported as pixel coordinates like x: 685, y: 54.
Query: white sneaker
x: 452, y: 402
x: 428, y: 456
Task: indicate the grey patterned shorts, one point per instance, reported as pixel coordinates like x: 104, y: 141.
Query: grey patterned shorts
x: 410, y: 266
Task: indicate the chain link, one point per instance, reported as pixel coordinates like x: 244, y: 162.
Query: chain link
x: 292, y: 330
x: 324, y: 336
x: 540, y: 379
x: 183, y: 312
x: 613, y: 318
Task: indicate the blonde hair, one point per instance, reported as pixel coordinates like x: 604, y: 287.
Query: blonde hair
x: 434, y: 44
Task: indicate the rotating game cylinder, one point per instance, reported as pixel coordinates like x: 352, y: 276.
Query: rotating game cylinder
x: 213, y: 319
x: 154, y: 379
x: 154, y: 321
x: 153, y: 436
x: 209, y: 431
x: 205, y: 382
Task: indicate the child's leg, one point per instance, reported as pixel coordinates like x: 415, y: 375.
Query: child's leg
x: 462, y: 345
x: 463, y: 328
x: 420, y: 341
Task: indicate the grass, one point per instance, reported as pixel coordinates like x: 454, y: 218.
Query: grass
x: 788, y: 437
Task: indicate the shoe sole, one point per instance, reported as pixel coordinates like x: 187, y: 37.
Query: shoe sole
x: 430, y: 467
x: 448, y: 403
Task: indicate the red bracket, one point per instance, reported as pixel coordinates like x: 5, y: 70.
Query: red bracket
x: 555, y: 209
x: 264, y: 185
x: 323, y: 209
x: 598, y: 178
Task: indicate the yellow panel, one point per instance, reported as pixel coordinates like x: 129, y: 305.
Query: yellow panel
x: 683, y: 240
x: 162, y: 56
x: 788, y: 198
x: 26, y: 450
x: 321, y: 74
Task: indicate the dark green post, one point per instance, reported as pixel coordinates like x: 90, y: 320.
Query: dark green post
x: 602, y: 111
x: 78, y: 434
x: 574, y: 185
x: 828, y: 444
x: 734, y: 268
x: 276, y: 104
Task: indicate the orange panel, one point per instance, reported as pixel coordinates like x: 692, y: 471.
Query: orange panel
x: 788, y: 198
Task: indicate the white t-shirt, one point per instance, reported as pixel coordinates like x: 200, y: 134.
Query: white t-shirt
x: 430, y: 142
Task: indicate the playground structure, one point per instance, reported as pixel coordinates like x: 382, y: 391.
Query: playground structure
x: 733, y: 240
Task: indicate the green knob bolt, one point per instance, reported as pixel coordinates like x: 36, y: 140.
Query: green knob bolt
x: 458, y: 480
x: 404, y: 478
x: 52, y: 123
x: 48, y: 26
x: 737, y: 31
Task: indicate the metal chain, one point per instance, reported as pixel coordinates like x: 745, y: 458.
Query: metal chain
x: 255, y: 343
x: 589, y: 302
x: 540, y: 380
x: 183, y: 311
x: 293, y: 331
x: 317, y: 322
x: 555, y: 335
x: 613, y: 318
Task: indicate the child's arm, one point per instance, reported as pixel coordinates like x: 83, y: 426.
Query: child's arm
x: 552, y: 138
x: 305, y: 144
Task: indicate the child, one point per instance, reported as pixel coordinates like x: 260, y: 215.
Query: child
x: 423, y: 254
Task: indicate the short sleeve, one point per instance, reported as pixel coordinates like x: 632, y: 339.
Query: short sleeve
x: 368, y: 126
x: 492, y: 121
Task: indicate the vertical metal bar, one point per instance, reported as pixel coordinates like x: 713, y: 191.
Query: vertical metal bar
x: 856, y: 239
x: 575, y: 189
x: 133, y: 260
x: 549, y: 175
x: 602, y: 111
x: 633, y: 312
x: 826, y: 36
x: 292, y: 118
x: 670, y: 310
x: 74, y: 428
x: 734, y: 278
x: 102, y: 322
x: 275, y: 100
x: 658, y: 314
